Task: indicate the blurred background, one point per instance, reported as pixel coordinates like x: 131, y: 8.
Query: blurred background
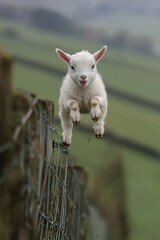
x: 31, y: 30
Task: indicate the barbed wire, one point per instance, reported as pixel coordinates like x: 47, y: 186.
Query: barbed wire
x: 55, y: 194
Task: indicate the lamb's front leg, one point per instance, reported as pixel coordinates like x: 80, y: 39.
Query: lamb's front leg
x: 69, y: 115
x: 98, y: 114
x: 67, y: 127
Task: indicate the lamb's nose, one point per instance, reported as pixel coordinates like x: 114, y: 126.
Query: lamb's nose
x: 83, y: 77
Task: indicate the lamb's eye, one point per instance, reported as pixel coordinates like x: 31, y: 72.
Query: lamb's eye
x: 92, y: 67
x: 72, y: 67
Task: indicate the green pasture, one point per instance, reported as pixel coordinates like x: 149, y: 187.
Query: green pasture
x: 133, y: 73
x: 134, y: 81
x: 126, y: 119
x: 128, y: 71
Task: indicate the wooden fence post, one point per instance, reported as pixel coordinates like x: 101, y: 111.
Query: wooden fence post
x: 5, y: 95
x: 5, y: 137
x: 5, y: 99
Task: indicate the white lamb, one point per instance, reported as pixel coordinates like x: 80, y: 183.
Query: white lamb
x: 82, y: 91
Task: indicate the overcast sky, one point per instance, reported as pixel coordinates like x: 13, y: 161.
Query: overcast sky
x: 68, y: 6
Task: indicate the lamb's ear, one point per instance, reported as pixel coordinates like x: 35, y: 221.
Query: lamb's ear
x: 99, y: 54
x: 64, y: 56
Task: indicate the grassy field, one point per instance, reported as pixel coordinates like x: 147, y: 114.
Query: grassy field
x: 130, y: 72
x: 133, y: 73
x: 134, y: 115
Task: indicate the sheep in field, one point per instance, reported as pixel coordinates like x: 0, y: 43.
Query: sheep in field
x: 82, y: 91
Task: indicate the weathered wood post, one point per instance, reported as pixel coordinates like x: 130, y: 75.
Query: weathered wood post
x: 12, y: 225
x: 5, y: 135
x: 5, y: 100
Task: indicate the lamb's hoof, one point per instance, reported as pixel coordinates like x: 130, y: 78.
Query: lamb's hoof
x: 65, y: 144
x: 99, y: 136
x: 99, y: 131
x: 76, y: 123
x: 66, y: 141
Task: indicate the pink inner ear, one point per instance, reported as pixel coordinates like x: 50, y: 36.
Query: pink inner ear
x: 64, y: 56
x: 99, y: 54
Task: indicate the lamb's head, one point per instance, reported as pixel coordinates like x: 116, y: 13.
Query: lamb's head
x: 82, y: 65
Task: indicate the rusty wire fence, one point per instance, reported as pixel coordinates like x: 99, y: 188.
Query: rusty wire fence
x: 50, y: 190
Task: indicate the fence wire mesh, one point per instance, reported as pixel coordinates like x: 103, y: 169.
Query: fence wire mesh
x: 55, y: 190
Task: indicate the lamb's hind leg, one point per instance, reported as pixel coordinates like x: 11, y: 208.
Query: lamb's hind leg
x: 98, y: 114
x: 95, y: 109
x: 99, y: 128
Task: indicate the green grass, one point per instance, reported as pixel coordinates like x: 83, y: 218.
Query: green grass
x: 135, y: 81
x: 143, y: 196
x: 38, y: 82
x: 141, y: 78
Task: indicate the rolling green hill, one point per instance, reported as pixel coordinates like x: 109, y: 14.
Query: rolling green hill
x: 135, y: 74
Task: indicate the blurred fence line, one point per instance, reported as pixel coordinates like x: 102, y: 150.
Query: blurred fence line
x: 43, y: 195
